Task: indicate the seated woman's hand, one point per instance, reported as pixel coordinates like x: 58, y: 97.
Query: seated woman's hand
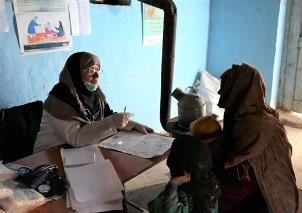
x: 132, y: 125
x: 120, y: 120
x: 142, y: 128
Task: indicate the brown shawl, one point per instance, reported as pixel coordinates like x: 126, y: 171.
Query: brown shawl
x: 257, y: 138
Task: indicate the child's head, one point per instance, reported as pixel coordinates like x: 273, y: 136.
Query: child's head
x: 191, y: 155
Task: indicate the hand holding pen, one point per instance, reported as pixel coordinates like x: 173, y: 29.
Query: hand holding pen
x: 121, y: 119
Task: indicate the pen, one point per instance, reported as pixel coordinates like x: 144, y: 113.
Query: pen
x: 125, y: 109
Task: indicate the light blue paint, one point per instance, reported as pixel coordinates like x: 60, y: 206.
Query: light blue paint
x: 278, y: 54
x: 131, y: 71
x: 243, y: 31
x: 191, y: 44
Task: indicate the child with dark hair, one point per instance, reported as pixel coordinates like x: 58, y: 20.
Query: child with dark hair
x: 193, y: 188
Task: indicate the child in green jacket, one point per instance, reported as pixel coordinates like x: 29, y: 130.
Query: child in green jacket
x: 193, y: 188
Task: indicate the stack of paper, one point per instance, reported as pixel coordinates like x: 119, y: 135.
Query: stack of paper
x: 94, y: 184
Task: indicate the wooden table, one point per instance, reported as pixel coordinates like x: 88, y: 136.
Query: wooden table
x: 127, y: 167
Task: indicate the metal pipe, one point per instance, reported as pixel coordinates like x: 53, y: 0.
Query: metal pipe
x: 168, y: 53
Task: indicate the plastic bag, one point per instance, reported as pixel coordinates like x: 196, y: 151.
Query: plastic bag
x: 5, y: 173
x: 5, y: 191
x: 22, y: 200
x: 208, y: 87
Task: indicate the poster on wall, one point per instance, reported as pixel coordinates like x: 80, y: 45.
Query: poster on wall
x: 79, y: 13
x: 43, y: 25
x: 153, y: 19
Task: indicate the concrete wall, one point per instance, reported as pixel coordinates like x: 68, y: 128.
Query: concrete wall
x: 278, y: 54
x: 245, y: 31
x: 131, y: 71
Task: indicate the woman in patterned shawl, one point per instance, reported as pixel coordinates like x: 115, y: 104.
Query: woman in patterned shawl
x: 257, y: 174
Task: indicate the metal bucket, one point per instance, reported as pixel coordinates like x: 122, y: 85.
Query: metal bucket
x: 186, y: 115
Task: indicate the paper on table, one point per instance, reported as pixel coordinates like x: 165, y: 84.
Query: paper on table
x: 68, y: 202
x: 94, y: 181
x: 139, y: 144
x: 102, y: 207
x: 81, y: 156
x: 94, y: 184
x: 99, y: 205
x: 114, y: 205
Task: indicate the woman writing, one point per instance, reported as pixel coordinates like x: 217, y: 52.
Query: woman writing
x: 76, y: 111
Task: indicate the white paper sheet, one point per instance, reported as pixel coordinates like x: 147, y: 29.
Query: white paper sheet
x: 79, y: 12
x: 98, y: 205
x: 94, y: 181
x: 85, y: 21
x: 81, y: 156
x: 94, y: 184
x: 39, y: 6
x: 136, y: 143
x: 74, y: 17
x: 102, y: 207
x: 3, y: 20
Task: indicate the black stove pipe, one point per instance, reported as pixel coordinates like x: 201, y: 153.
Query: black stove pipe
x: 168, y: 53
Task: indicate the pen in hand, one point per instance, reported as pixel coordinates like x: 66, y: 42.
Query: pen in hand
x: 125, y: 115
x: 128, y: 114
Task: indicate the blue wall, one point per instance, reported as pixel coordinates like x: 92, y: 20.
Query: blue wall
x: 191, y: 43
x: 131, y: 72
x: 243, y: 31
